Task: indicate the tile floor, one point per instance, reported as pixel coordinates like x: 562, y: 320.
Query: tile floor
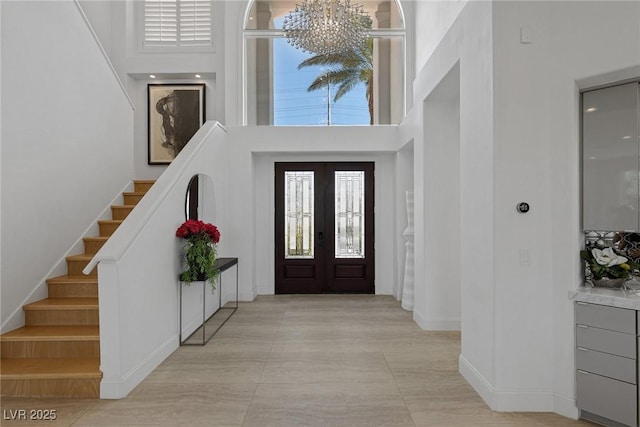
x: 302, y: 361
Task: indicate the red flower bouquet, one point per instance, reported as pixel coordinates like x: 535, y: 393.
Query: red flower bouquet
x: 200, y: 251
x: 197, y: 229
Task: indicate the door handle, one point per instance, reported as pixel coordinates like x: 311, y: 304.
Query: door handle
x: 320, y: 237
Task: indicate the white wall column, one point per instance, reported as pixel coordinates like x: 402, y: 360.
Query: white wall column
x: 441, y: 123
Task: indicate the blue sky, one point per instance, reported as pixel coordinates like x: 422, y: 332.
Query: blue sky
x: 293, y: 105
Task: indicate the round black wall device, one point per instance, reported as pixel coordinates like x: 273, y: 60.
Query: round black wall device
x: 523, y: 207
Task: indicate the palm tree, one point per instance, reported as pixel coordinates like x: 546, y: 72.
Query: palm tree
x: 348, y: 69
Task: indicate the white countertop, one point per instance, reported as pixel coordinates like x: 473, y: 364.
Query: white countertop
x: 614, y: 297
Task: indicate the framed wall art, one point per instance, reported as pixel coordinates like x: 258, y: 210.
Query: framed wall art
x: 176, y: 112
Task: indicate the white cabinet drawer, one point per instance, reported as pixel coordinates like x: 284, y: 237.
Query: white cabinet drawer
x: 606, y: 317
x: 608, y: 365
x: 607, y: 398
x: 606, y: 341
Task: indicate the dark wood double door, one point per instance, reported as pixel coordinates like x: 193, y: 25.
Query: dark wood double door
x: 324, y: 228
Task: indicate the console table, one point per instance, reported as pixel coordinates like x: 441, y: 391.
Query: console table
x: 221, y: 265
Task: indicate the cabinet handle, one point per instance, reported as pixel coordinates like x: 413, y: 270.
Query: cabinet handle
x: 582, y: 303
x: 583, y: 372
x: 582, y: 349
x: 583, y: 326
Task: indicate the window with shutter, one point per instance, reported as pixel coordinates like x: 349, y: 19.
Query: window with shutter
x: 177, y: 23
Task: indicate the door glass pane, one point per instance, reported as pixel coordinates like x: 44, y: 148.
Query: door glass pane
x: 298, y: 208
x: 349, y: 212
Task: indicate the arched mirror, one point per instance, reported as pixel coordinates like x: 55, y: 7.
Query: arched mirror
x: 192, y: 198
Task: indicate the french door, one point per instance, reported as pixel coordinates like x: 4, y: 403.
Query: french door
x: 324, y: 235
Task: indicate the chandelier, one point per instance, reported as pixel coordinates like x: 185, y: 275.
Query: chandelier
x: 324, y: 27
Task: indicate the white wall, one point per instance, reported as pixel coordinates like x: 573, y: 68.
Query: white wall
x: 469, y: 44
x: 432, y: 20
x: 99, y: 15
x: 67, y: 135
x: 519, y: 141
x: 441, y: 123
x: 537, y: 160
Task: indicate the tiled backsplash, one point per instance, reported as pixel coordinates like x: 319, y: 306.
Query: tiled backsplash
x: 624, y: 243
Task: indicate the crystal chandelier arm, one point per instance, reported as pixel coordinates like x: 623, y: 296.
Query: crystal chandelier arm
x: 327, y: 26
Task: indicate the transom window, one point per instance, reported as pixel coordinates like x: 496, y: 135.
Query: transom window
x: 287, y: 86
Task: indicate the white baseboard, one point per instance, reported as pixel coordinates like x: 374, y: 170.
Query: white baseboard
x: 516, y: 401
x: 122, y: 387
x: 477, y: 381
x: 523, y: 401
x: 565, y: 406
x: 436, y: 324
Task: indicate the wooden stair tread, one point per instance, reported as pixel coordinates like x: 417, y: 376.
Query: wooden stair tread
x: 63, y: 304
x: 123, y: 206
x: 108, y: 224
x: 39, y: 369
x: 144, y: 181
x: 66, y: 279
x: 134, y: 193
x: 53, y: 333
x: 96, y: 238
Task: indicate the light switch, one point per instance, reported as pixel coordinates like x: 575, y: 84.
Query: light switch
x: 526, y: 35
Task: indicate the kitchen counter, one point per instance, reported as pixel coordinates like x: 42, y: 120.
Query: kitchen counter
x: 605, y: 296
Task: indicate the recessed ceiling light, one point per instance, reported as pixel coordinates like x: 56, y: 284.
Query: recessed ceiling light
x: 626, y: 137
x: 251, y: 18
x: 592, y: 158
x: 591, y: 109
x: 198, y: 76
x: 153, y: 76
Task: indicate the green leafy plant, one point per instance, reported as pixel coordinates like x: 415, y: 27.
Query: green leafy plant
x: 200, y: 251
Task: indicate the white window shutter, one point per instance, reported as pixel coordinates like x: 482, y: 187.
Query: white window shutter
x: 160, y: 22
x: 178, y: 23
x: 195, y: 22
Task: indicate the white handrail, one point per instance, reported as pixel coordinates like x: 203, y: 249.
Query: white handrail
x: 126, y: 233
